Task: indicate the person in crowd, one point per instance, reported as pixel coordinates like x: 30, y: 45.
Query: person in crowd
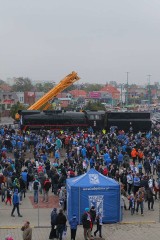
x: 9, y: 196
x: 99, y: 225
x: 61, y: 223
x: 136, y: 183
x: 16, y: 202
x: 134, y: 155
x: 131, y: 199
x: 93, y: 215
x: 149, y: 198
x: 156, y: 188
x: 87, y: 224
x: 54, y: 180
x: 36, y: 186
x: 147, y: 167
x: 129, y: 182
x: 62, y: 198
x: 139, y: 196
x: 22, y: 188
x: 46, y: 187
x: 73, y: 226
x: 122, y: 202
x: 27, y: 231
x: 3, y: 192
x: 53, y: 232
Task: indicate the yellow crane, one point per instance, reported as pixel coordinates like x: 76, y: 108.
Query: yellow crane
x: 44, y: 102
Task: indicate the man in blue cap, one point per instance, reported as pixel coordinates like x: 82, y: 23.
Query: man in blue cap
x: 87, y: 224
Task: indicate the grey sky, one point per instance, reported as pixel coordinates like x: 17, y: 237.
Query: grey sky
x: 100, y: 39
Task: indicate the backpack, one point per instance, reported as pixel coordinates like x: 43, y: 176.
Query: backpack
x: 54, y: 218
x: 35, y: 185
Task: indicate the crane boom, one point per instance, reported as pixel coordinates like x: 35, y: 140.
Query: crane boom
x: 63, y: 84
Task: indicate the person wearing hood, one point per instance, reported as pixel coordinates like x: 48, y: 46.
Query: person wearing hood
x: 73, y: 225
x: 53, y: 232
x: 15, y: 201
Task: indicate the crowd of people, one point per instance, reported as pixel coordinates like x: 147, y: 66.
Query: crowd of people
x: 40, y: 162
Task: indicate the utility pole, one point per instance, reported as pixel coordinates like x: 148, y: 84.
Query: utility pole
x: 127, y: 91
x: 121, y: 95
x: 149, y: 89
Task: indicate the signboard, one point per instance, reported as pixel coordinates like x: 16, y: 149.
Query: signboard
x: 95, y: 95
x: 8, y: 101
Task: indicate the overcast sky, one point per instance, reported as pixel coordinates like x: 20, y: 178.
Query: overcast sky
x: 99, y: 39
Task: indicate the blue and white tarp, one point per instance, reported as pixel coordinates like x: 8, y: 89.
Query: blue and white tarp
x: 93, y: 189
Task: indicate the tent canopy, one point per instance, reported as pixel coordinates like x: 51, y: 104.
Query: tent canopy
x: 91, y: 179
x: 93, y: 188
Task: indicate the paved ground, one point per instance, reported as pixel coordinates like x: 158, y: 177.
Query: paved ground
x: 6, y: 120
x: 133, y: 227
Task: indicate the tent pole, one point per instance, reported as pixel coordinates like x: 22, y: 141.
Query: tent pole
x: 79, y: 207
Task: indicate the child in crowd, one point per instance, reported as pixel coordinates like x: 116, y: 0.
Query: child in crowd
x: 131, y: 203
x: 3, y: 192
x: 9, y: 196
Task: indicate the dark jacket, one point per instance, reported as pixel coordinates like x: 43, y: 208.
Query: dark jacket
x: 149, y: 194
x: 93, y: 214
x: 61, y: 219
x: 54, y: 216
x: 85, y: 221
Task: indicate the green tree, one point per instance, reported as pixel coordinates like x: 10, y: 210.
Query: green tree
x: 70, y: 88
x: 15, y: 108
x: 94, y: 106
x: 91, y: 87
x: 47, y: 86
x: 22, y: 85
x: 39, y: 87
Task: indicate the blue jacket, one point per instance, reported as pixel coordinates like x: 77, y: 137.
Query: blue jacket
x: 24, y: 176
x: 120, y: 157
x: 73, y: 223
x: 15, y: 197
x: 136, y: 181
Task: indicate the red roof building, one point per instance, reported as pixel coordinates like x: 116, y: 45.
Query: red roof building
x: 112, y: 90
x: 5, y: 88
x: 62, y: 95
x: 78, y: 93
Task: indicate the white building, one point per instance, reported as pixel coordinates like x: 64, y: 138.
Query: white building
x: 20, y: 96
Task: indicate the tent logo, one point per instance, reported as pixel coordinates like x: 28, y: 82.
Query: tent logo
x: 93, y: 178
x: 97, y: 202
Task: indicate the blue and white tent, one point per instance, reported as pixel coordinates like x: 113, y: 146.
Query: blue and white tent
x: 93, y: 189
